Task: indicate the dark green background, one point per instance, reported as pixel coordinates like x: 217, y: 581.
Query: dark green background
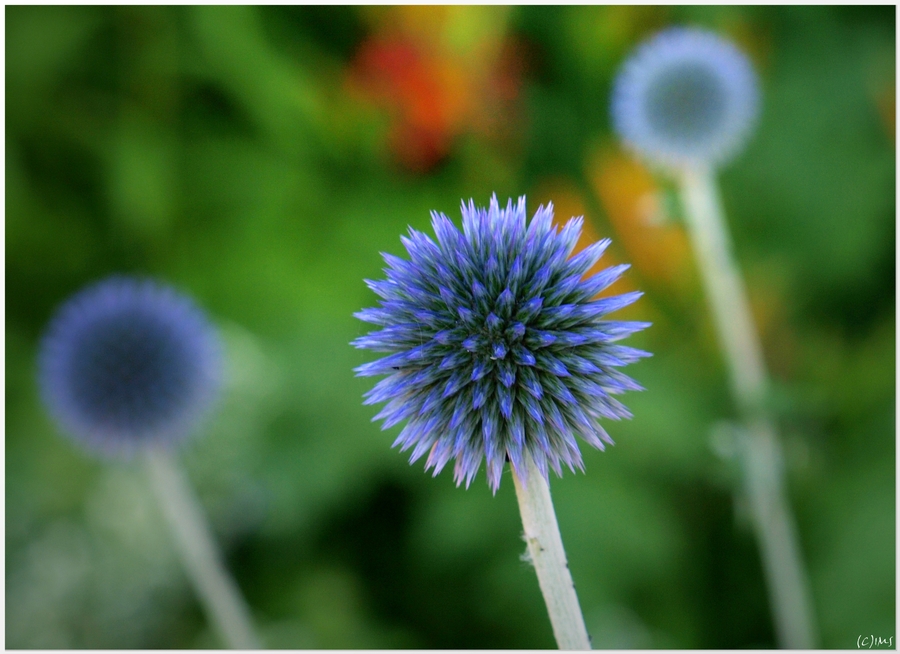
x: 220, y: 150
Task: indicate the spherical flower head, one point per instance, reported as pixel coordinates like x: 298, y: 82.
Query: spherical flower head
x: 126, y: 364
x: 496, y: 345
x: 686, y: 97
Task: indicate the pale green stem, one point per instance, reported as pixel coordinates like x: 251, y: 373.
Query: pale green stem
x: 545, y: 549
x: 218, y: 593
x: 761, y: 456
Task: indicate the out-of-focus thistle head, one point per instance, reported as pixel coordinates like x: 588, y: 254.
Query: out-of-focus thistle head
x: 126, y: 364
x: 497, y: 347
x: 686, y: 97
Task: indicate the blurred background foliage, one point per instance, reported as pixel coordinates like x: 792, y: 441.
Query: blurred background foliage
x: 260, y: 158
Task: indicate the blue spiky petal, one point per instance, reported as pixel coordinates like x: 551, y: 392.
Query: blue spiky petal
x: 127, y: 363
x: 686, y: 97
x: 495, y: 345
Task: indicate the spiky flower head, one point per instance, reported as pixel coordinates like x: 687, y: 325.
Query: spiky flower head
x: 497, y: 347
x: 127, y: 363
x: 686, y: 97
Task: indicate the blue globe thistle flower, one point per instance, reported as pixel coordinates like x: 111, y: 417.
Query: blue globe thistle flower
x: 496, y: 345
x: 127, y: 363
x: 685, y: 97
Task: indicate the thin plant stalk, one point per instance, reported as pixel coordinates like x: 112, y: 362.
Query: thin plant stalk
x: 218, y: 592
x: 758, y: 444
x: 545, y: 550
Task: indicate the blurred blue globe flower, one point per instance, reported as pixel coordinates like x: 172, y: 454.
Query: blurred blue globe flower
x: 496, y: 345
x: 127, y: 363
x: 685, y: 97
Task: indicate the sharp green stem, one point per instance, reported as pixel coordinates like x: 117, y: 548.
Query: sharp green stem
x: 760, y: 448
x: 545, y: 549
x: 217, y: 591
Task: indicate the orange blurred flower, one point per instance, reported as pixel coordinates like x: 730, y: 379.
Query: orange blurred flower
x: 886, y: 101
x: 568, y: 202
x: 658, y: 248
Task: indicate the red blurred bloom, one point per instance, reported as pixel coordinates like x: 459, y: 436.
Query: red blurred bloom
x: 433, y: 92
x: 418, y: 91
